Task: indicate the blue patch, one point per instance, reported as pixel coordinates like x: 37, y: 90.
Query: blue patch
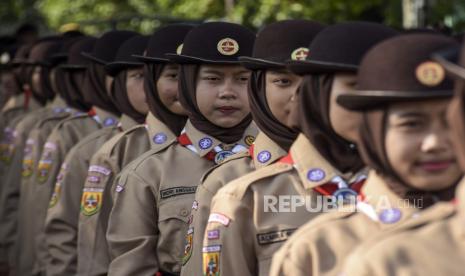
x: 389, y: 216
x: 57, y: 110
x: 205, y: 143
x: 220, y: 156
x: 213, y: 234
x: 160, y: 138
x: 109, y: 122
x: 316, y: 175
x: 345, y: 194
x: 264, y: 156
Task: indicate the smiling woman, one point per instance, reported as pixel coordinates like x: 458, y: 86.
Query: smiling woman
x: 222, y: 94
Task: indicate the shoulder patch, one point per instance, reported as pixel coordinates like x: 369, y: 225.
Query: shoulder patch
x: 274, y: 236
x: 91, y: 201
x: 177, y: 191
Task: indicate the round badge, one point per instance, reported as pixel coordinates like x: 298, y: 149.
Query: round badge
x: 109, y: 122
x: 5, y: 58
x: 228, y: 46
x: 249, y: 139
x: 264, y: 156
x: 345, y: 194
x: 430, y: 73
x: 316, y: 175
x: 299, y: 53
x: 159, y: 138
x: 220, y: 156
x: 57, y: 110
x: 179, y: 49
x: 205, y: 143
x: 119, y: 188
x: 389, y: 216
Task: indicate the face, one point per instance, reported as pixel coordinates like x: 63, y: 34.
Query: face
x: 108, y: 83
x: 53, y: 80
x: 222, y: 94
x: 280, y: 88
x: 343, y: 121
x: 36, y: 81
x: 167, y: 87
x: 8, y: 82
x: 135, y: 89
x: 418, y: 146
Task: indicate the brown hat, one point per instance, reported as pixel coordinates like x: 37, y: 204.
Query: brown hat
x: 215, y: 42
x: 400, y: 69
x: 340, y: 47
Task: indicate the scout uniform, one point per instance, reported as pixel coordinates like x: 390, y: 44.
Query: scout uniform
x: 65, y: 135
x: 410, y: 249
x: 61, y: 223
x: 147, y: 240
x: 309, y: 173
x: 62, y: 216
x: 156, y: 134
x: 321, y: 247
x: 274, y: 45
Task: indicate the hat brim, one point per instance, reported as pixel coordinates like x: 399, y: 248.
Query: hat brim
x: 364, y: 100
x: 257, y: 63
x: 92, y: 58
x: 72, y: 67
x: 448, y: 59
x: 183, y: 59
x: 114, y: 68
x: 146, y: 59
x: 303, y: 67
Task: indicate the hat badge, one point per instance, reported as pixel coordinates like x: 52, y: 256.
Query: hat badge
x: 299, y: 53
x: 179, y: 49
x: 430, y: 73
x: 228, y: 46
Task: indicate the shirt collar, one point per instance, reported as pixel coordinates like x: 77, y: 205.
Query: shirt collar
x: 15, y: 101
x: 159, y: 133
x: 105, y: 118
x: 126, y: 122
x: 266, y: 151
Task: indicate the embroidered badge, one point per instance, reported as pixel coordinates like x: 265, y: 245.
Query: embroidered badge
x: 389, y: 216
x: 228, y: 46
x: 219, y: 218
x: 179, y: 49
x: 43, y: 170
x: 213, y: 234
x: 316, y: 175
x: 7, y: 146
x: 91, y: 201
x: 109, y: 122
x: 299, y: 54
x: 119, y: 188
x: 430, y: 73
x: 249, y: 139
x: 273, y: 237
x: 205, y: 143
x: 264, y: 156
x: 160, y: 138
x: 188, y: 245
x: 176, y: 191
x: 211, y: 260
x: 195, y: 205
x: 222, y: 155
x: 100, y: 169
x: 93, y: 179
x: 28, y: 160
x: 57, y: 189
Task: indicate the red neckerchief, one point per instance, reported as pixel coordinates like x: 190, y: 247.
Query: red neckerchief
x: 329, y: 188
x: 184, y: 140
x: 27, y: 94
x: 251, y: 148
x: 92, y: 112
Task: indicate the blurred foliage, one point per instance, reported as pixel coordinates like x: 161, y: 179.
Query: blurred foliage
x: 96, y: 16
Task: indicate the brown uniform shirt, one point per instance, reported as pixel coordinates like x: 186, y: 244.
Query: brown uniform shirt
x: 15, y: 107
x: 61, y: 224
x: 64, y: 136
x: 149, y: 219
x: 262, y: 153
x: 252, y: 216
x: 9, y: 198
x: 94, y: 258
x: 431, y: 244
x: 321, y: 246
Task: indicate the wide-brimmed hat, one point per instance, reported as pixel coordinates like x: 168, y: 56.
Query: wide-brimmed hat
x: 124, y: 58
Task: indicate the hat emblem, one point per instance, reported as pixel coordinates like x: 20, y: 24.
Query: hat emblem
x: 179, y: 49
x: 228, y: 46
x: 430, y: 73
x: 299, y: 53
x: 5, y: 58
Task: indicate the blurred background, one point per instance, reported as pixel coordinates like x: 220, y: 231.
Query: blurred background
x: 96, y: 16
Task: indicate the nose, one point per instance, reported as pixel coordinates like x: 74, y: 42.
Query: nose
x: 436, y: 142
x: 227, y: 90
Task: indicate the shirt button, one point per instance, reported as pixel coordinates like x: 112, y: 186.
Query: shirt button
x: 184, y: 212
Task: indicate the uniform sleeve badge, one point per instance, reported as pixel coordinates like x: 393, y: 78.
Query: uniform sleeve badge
x: 211, y: 260
x: 57, y: 190
x: 28, y: 161
x: 188, y: 246
x: 45, y: 163
x: 91, y: 201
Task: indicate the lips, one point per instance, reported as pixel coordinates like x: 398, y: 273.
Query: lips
x: 227, y: 110
x: 435, y: 166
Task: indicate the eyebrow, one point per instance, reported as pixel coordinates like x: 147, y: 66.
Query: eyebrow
x: 279, y: 71
x: 411, y: 114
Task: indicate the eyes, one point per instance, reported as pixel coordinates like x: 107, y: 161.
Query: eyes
x: 171, y: 75
x: 137, y: 75
x: 282, y: 82
x: 214, y: 79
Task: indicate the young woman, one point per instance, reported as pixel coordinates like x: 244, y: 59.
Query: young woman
x: 270, y: 91
x: 403, y: 139
x: 322, y: 161
x: 149, y: 218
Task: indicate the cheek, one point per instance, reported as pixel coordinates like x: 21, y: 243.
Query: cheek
x: 401, y: 151
x: 205, y: 98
